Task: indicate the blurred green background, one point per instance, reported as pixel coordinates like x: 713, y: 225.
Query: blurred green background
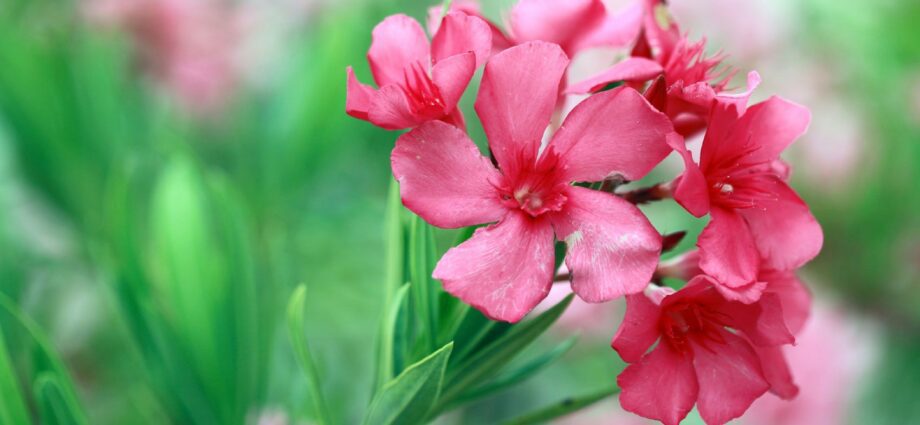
x: 170, y: 173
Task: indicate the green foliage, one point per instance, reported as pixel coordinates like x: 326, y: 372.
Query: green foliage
x: 410, y: 397
x: 295, y: 317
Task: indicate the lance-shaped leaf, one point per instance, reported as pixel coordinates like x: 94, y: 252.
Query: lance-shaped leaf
x: 295, y: 316
x: 390, y: 341
x: 408, y: 399
x: 562, y: 408
x: 12, y: 405
x: 54, y: 407
x: 488, y: 361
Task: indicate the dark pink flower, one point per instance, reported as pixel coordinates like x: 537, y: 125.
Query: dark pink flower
x: 756, y: 218
x: 718, y: 354
x: 507, y: 268
x: 689, y: 79
x: 419, y: 81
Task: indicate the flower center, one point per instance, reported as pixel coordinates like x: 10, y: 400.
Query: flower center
x: 423, y: 96
x: 685, y: 321
x: 532, y: 183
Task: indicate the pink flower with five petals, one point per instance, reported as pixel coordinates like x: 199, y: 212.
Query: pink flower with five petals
x: 718, y: 354
x: 419, y: 81
x: 757, y: 220
x: 505, y: 269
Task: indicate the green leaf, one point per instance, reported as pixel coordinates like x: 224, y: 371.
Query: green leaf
x: 489, y: 360
x: 395, y: 243
x: 387, y: 344
x: 54, y: 407
x: 295, y: 318
x: 520, y: 374
x: 422, y: 258
x: 408, y: 399
x: 562, y: 408
x: 12, y: 405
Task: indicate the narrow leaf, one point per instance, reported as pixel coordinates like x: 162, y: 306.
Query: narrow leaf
x: 488, y: 361
x: 408, y: 399
x: 54, y: 407
x: 295, y: 317
x: 387, y: 339
x: 562, y: 408
x: 12, y: 405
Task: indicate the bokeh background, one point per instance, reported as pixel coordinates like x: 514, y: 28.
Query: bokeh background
x: 171, y: 169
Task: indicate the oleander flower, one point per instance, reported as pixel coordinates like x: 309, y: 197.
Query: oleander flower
x: 419, y: 80
x: 505, y: 269
x: 684, y: 79
x: 718, y: 354
x: 756, y: 218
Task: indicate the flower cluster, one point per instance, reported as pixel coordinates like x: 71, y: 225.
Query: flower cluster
x: 716, y: 342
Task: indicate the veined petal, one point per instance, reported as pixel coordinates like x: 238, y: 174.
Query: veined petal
x: 662, y: 386
x: 517, y: 96
x: 444, y: 179
x: 639, y: 329
x: 762, y: 133
x: 691, y: 190
x: 730, y: 378
x: 617, y: 29
x: 793, y: 295
x: 761, y: 322
x: 461, y: 33
x: 630, y: 69
x: 390, y: 109
x: 359, y: 97
x: 504, y: 270
x: 612, y: 248
x: 451, y: 76
x: 784, y: 230
x: 559, y: 22
x: 776, y: 371
x: 614, y: 132
x: 727, y: 250
x: 397, y: 42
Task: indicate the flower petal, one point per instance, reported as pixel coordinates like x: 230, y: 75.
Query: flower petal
x: 690, y: 190
x: 461, y: 33
x: 630, y: 69
x: 785, y: 232
x: 444, y: 179
x: 452, y: 76
x: 614, y: 132
x: 554, y: 21
x: 662, y: 386
x: 727, y: 250
x: 517, y: 96
x: 612, y: 248
x: 730, y: 378
x: 390, y: 109
x: 504, y: 270
x: 359, y: 96
x: 617, y: 29
x: 397, y: 42
x: 776, y: 371
x: 793, y: 295
x: 639, y: 329
x: 769, y: 127
x: 761, y: 322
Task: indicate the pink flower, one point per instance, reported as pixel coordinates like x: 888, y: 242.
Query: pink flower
x: 689, y: 79
x: 698, y: 360
x: 740, y: 181
x: 419, y: 81
x: 574, y: 25
x: 505, y: 269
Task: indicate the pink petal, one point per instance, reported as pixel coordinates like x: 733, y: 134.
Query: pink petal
x: 452, y: 76
x: 785, y: 232
x: 617, y: 29
x: 397, y: 42
x: 614, y: 132
x: 612, y: 248
x: 793, y: 295
x: 436, y: 13
x: 461, y: 33
x: 746, y: 294
x: 559, y: 22
x: 390, y: 109
x: 771, y: 126
x: 639, y: 329
x: 730, y: 378
x: 359, y: 96
x: 727, y: 250
x: 504, y: 270
x: 662, y: 386
x: 691, y: 190
x: 776, y: 371
x: 761, y: 322
x: 444, y: 179
x: 739, y: 100
x: 631, y: 69
x: 517, y: 96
